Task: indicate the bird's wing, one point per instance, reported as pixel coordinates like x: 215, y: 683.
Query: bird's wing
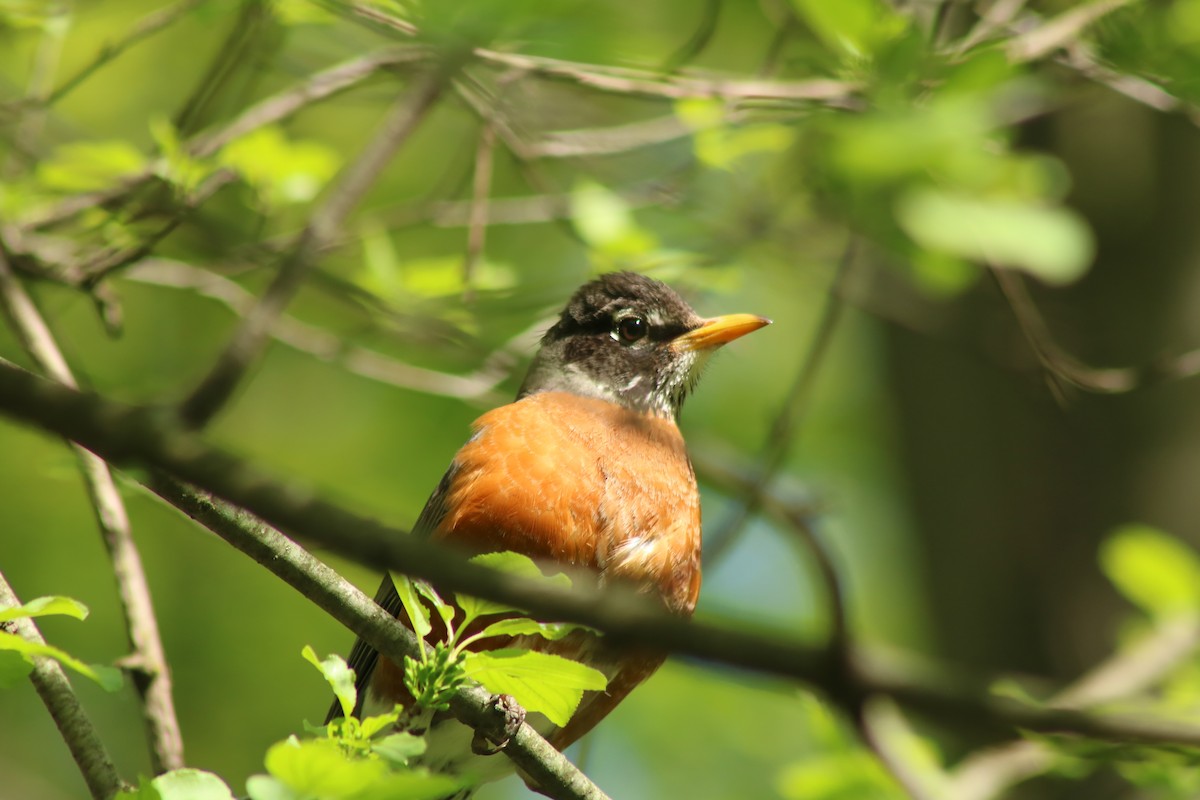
x: 363, y: 657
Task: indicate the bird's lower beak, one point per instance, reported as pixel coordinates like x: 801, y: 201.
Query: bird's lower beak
x: 720, y: 330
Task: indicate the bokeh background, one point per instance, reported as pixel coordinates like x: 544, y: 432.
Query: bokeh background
x: 967, y: 437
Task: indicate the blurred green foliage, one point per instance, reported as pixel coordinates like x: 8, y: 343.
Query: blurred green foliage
x: 941, y: 138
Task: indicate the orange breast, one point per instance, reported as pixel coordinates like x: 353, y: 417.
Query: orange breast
x: 585, y: 483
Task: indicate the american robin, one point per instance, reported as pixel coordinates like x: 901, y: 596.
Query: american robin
x: 586, y: 469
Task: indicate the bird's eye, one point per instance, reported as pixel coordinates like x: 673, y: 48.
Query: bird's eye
x: 631, y: 329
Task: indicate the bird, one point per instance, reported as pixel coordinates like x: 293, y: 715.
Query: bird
x: 586, y: 469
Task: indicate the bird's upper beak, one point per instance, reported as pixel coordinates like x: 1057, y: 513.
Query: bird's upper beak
x: 718, y: 331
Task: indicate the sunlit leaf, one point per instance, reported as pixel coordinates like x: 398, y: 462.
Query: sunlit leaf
x: 855, y: 27
x: 443, y: 609
x: 339, y: 675
x: 301, y: 12
x: 191, y: 784
x: 418, y: 615
x: 1154, y: 571
x: 516, y: 564
x: 518, y: 627
x: 372, y: 725
x: 281, y: 170
x: 45, y: 606
x: 399, y: 747
x: 177, y: 165
x: 605, y: 220
x: 837, y: 775
x: 540, y: 682
x: 266, y: 787
x: 109, y: 678
x: 90, y: 166
x: 320, y: 768
x: 1051, y: 243
x: 413, y: 785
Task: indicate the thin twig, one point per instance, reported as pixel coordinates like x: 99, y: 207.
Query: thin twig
x: 988, y: 773
x: 318, y: 87
x: 1060, y: 31
x: 76, y: 729
x: 148, y: 661
x: 353, y: 182
x: 240, y: 45
x: 699, y: 39
x: 479, y: 386
x: 152, y: 438
x: 481, y: 187
x: 998, y: 16
x: 144, y: 28
x: 45, y: 62
x: 1059, y: 365
x: 550, y: 769
x: 787, y: 420
x: 647, y: 83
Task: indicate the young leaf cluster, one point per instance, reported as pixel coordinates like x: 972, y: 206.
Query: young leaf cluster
x: 540, y: 682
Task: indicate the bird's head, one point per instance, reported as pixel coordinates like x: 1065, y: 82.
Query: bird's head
x: 631, y: 340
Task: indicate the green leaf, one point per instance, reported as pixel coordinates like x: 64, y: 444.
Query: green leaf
x: 372, y: 725
x: 177, y: 166
x: 413, y: 785
x: 518, y: 627
x: 855, y: 27
x: 339, y: 675
x: 109, y: 678
x: 840, y: 775
x: 540, y: 682
x: 265, y: 787
x: 516, y: 564
x: 45, y: 606
x: 443, y: 609
x: 417, y: 614
x: 282, y: 171
x: 399, y: 747
x: 191, y: 784
x: 90, y: 166
x: 301, y: 12
x: 320, y: 768
x: 1051, y: 243
x: 605, y: 221
x: 1154, y: 571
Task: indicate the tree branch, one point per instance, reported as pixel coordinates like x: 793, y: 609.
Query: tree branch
x: 988, y: 773
x: 147, y: 663
x: 152, y: 438
x: 73, y: 724
x: 551, y: 770
x: 354, y: 181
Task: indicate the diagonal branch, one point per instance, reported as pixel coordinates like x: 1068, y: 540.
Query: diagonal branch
x: 76, y: 728
x: 152, y: 438
x: 251, y: 336
x: 554, y: 774
x: 148, y: 662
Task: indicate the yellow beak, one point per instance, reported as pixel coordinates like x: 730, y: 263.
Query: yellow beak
x: 720, y: 330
